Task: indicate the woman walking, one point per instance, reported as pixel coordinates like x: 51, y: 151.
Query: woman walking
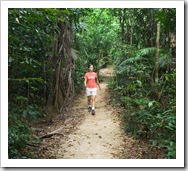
x: 91, y: 81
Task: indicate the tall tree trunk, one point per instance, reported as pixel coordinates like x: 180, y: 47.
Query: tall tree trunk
x: 122, y: 20
x: 131, y: 37
x: 132, y: 22
x: 63, y: 63
x: 172, y: 36
x: 157, y: 53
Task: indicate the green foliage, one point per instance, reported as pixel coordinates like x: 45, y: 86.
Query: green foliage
x: 31, y: 111
x: 150, y: 107
x: 124, y: 38
x: 145, y: 116
x: 167, y: 17
x: 97, y: 38
x: 31, y: 35
x: 30, y: 43
x: 19, y: 133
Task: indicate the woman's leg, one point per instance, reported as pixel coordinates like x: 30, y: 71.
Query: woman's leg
x: 93, y: 101
x: 89, y: 103
x: 93, y: 104
x: 89, y: 100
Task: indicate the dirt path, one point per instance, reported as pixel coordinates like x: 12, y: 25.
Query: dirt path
x: 98, y: 136
x: 80, y: 135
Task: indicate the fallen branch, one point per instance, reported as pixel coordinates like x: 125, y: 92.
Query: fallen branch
x: 33, y: 145
x: 50, y: 134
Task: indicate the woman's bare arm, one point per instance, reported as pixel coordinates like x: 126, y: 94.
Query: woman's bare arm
x: 97, y: 81
x: 85, y: 82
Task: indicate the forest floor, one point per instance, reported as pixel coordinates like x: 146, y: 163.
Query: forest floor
x: 79, y: 135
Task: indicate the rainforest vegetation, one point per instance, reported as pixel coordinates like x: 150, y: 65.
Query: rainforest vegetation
x: 49, y: 51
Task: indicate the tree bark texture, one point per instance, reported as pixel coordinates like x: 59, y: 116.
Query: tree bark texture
x: 63, y: 83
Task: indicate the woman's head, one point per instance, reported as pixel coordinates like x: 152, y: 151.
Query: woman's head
x: 90, y: 67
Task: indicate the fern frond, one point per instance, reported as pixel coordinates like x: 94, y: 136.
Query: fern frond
x: 147, y: 51
x: 131, y: 60
x: 128, y: 68
x: 139, y: 55
x: 165, y: 59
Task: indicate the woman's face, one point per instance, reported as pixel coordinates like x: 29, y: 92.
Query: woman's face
x: 91, y: 68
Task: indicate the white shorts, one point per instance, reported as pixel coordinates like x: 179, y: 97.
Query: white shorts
x: 91, y: 91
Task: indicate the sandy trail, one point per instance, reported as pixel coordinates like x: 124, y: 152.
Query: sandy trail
x: 98, y: 136
x: 81, y: 135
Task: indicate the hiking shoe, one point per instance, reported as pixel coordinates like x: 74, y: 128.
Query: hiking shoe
x: 93, y: 112
x: 89, y: 109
